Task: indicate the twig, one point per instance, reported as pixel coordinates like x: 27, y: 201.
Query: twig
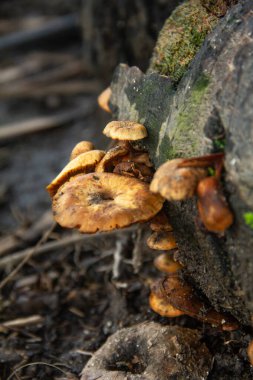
x: 63, y: 88
x: 137, y: 250
x: 117, y: 256
x: 20, y: 322
x: 11, y: 131
x: 51, y: 246
x: 25, y: 235
x: 37, y: 363
x: 26, y: 258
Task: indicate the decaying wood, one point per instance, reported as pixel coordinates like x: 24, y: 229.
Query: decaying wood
x: 213, y: 99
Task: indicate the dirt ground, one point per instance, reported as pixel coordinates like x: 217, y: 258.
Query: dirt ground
x: 62, y: 303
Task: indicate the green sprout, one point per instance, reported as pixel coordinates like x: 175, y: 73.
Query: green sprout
x: 219, y: 143
x: 248, y: 218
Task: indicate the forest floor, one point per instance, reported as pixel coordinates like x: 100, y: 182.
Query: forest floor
x: 61, y: 293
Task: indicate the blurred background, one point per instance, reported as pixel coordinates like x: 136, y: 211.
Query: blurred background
x: 55, y: 58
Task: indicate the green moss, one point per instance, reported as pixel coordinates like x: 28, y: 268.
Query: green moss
x: 180, y: 39
x: 248, y: 218
x: 186, y: 133
x: 219, y: 143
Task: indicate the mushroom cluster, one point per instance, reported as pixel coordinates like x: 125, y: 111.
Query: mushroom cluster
x: 182, y: 178
x: 101, y: 191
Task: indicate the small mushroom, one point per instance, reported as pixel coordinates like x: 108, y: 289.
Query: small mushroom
x: 138, y: 158
x: 178, y: 179
x: 165, y: 263
x: 81, y: 147
x: 125, y: 130
x: 108, y: 161
x: 162, y: 240
x: 160, y: 222
x: 161, y: 306
x: 183, y: 297
x: 84, y: 163
x: 174, y: 182
x: 104, y: 98
x: 133, y: 169
x: 250, y: 352
x: 212, y: 205
x: 104, y: 201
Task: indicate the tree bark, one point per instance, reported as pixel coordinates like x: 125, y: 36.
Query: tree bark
x: 211, y: 106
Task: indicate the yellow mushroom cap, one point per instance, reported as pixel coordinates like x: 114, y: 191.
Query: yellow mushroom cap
x: 81, y: 147
x: 162, y: 240
x: 84, y: 163
x: 165, y: 263
x: 104, y: 201
x: 110, y: 156
x: 104, y: 98
x: 174, y: 182
x: 125, y: 130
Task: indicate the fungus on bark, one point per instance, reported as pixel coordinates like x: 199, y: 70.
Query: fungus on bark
x: 84, y: 163
x: 175, y: 292
x: 166, y: 263
x: 125, y: 130
x: 104, y: 99
x: 110, y: 158
x: 212, y: 205
x: 250, y: 352
x: 104, y: 201
x: 175, y: 182
x: 81, y: 147
x: 160, y: 222
x: 162, y: 240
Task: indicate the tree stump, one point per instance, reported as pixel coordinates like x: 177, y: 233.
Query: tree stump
x: 210, y: 109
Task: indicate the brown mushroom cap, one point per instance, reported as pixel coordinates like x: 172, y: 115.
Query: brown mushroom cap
x: 165, y: 263
x: 161, y: 306
x: 183, y: 297
x: 104, y: 98
x: 104, y: 201
x: 212, y: 205
x: 84, y: 163
x: 174, y: 182
x: 81, y: 147
x: 110, y: 157
x: 250, y: 352
x: 162, y: 240
x: 125, y: 130
x: 160, y: 223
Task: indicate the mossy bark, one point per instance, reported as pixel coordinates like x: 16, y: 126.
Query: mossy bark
x: 211, y: 108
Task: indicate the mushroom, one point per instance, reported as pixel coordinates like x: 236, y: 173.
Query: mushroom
x: 177, y: 179
x: 138, y: 157
x: 132, y: 169
x: 174, y: 182
x: 125, y: 130
x: 165, y: 263
x: 212, y: 205
x: 84, y: 163
x: 182, y: 296
x: 104, y: 98
x: 110, y: 158
x: 104, y: 201
x: 162, y: 240
x: 250, y: 352
x: 81, y: 147
x: 160, y: 222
